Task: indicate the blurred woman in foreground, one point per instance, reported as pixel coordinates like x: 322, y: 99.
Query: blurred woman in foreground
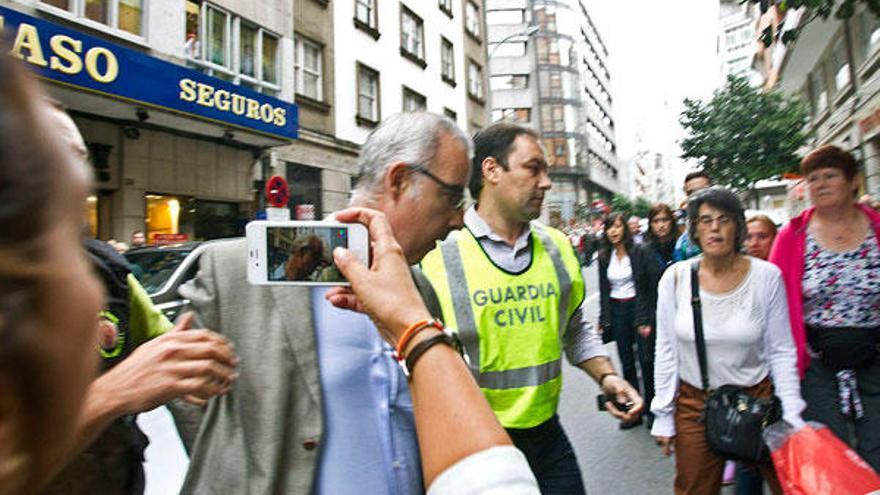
x: 49, y: 298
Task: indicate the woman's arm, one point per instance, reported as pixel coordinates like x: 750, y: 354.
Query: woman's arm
x: 666, y: 358
x: 641, y: 275
x: 780, y: 351
x: 604, y: 296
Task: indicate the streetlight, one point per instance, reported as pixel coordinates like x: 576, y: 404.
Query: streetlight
x: 527, y: 33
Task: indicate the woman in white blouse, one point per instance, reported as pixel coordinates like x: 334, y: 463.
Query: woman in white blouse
x: 748, y: 340
x: 617, y: 303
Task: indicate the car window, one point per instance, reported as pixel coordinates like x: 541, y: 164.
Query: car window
x: 154, y: 268
x: 190, y: 272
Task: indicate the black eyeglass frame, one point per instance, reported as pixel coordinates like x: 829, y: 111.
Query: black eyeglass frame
x: 455, y: 192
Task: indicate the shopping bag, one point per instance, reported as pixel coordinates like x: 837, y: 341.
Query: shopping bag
x: 813, y: 461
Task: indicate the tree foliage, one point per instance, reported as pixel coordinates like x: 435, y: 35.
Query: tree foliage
x: 744, y: 134
x: 622, y: 204
x: 842, y: 9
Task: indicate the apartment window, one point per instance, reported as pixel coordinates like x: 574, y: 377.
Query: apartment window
x: 475, y: 80
x: 365, y: 16
x: 552, y: 118
x: 449, y: 113
x: 447, y: 61
x: 516, y: 16
x: 247, y: 49
x: 446, y: 7
x: 519, y: 115
x: 219, y: 45
x: 308, y: 69
x: 124, y: 15
x: 255, y: 67
x: 508, y: 49
x: 509, y: 81
x: 840, y: 64
x: 412, y: 35
x: 818, y: 92
x: 472, y: 19
x: 368, y: 95
x: 413, y: 102
x: 869, y: 25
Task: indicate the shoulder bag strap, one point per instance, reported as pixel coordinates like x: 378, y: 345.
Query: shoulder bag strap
x: 698, y: 323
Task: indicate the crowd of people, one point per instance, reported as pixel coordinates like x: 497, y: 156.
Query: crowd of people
x: 439, y: 369
x: 792, y: 312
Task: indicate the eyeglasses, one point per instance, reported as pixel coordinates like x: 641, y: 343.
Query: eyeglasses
x: 453, y: 192
x: 708, y: 220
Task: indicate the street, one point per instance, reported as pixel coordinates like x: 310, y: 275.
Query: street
x: 612, y: 461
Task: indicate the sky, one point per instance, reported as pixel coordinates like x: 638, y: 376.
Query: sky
x: 660, y: 52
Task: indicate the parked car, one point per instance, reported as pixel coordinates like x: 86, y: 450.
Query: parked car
x: 161, y: 270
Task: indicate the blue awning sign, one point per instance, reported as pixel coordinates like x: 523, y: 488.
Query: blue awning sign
x: 72, y: 58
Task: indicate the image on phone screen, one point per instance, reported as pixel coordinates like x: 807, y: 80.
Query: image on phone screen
x: 304, y: 254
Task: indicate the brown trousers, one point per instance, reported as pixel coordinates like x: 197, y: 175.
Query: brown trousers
x: 698, y: 470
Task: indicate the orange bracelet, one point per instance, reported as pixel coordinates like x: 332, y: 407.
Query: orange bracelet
x: 410, y: 333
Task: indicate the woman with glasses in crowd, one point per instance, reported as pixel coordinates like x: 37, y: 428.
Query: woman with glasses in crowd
x: 654, y: 256
x: 617, y: 294
x: 745, y: 323
x: 830, y: 259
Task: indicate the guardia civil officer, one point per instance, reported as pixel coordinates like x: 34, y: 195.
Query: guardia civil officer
x: 514, y: 290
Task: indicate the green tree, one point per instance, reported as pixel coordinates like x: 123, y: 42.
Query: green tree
x: 641, y: 207
x: 621, y: 204
x: 743, y: 134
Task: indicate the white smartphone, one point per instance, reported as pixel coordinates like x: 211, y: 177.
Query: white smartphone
x: 301, y: 252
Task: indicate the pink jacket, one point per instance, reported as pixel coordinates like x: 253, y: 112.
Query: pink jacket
x: 788, y: 254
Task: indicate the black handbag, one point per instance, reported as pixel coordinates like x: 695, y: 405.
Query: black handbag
x: 734, y: 420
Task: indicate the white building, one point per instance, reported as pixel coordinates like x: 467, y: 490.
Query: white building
x: 411, y: 55
x: 548, y: 68
x: 737, y: 39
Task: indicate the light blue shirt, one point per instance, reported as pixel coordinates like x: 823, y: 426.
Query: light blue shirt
x: 369, y: 443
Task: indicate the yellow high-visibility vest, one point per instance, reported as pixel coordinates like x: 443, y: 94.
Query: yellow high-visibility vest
x: 511, y: 324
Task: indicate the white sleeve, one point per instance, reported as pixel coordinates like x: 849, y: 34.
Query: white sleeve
x: 780, y: 351
x: 499, y: 470
x: 666, y: 355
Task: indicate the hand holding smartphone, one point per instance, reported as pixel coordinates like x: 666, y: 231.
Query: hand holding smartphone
x: 301, y: 252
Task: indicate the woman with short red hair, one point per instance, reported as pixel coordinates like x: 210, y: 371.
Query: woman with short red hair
x: 830, y: 260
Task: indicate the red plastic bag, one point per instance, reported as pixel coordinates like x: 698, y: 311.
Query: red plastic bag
x: 812, y: 461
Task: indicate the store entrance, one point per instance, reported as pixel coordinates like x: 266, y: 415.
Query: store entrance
x: 172, y: 218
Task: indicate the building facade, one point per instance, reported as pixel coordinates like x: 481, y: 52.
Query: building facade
x: 178, y: 143
x: 179, y: 104
x: 833, y: 65
x: 737, y: 39
x: 652, y: 178
x: 409, y: 55
x: 549, y: 70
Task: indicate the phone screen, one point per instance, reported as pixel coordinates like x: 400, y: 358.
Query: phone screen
x: 304, y: 254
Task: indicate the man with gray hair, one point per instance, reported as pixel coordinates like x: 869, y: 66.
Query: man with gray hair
x: 321, y: 405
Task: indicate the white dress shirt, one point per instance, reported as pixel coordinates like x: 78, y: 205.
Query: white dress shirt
x: 747, y: 336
